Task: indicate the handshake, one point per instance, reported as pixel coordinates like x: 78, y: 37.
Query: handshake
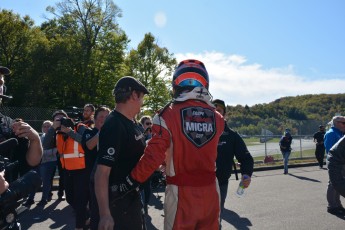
x: 124, y: 187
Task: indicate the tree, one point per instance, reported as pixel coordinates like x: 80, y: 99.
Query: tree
x: 95, y: 48
x: 152, y: 65
x: 19, y: 38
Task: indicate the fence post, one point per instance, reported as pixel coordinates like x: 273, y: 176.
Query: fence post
x: 300, y: 146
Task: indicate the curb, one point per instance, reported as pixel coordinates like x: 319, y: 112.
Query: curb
x: 264, y: 168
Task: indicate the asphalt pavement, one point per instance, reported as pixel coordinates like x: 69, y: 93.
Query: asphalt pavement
x: 273, y: 201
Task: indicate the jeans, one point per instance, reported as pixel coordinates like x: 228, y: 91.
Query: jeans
x: 286, y: 155
x: 46, y: 171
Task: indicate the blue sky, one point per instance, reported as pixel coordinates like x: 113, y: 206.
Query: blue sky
x: 255, y: 51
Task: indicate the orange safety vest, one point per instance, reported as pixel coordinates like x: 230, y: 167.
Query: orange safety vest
x: 72, y: 155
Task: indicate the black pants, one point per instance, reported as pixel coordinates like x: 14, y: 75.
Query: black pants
x: 127, y: 212
x: 77, y: 194
x: 320, y: 154
x: 94, y: 211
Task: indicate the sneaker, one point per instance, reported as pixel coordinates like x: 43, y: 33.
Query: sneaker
x: 62, y: 198
x: 336, y: 211
x: 29, y: 202
x: 42, y: 203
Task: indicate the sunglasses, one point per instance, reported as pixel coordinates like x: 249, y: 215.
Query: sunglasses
x: 343, y: 122
x: 148, y: 123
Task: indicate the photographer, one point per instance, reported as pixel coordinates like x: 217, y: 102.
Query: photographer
x: 66, y: 137
x: 34, y: 151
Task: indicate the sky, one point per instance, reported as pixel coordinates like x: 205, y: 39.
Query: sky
x: 255, y: 51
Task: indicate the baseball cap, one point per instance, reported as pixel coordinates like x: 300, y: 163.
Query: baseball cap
x: 220, y: 103
x: 59, y: 112
x: 4, y: 70
x: 129, y: 83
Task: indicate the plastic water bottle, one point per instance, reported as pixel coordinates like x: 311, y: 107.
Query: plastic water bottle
x: 240, y: 192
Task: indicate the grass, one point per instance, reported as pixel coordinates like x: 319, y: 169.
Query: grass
x: 296, y: 157
x: 256, y: 141
x: 308, y: 156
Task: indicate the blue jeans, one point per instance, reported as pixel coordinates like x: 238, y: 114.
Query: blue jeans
x: 286, y: 156
x: 46, y: 171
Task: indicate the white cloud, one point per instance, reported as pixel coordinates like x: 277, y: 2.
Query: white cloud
x: 237, y: 82
x: 160, y: 19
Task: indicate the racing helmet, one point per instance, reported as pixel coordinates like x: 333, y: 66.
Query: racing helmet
x: 190, y: 73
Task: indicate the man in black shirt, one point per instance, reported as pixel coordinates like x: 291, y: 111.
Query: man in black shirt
x: 121, y: 144
x: 89, y: 143
x: 320, y: 147
x: 231, y: 144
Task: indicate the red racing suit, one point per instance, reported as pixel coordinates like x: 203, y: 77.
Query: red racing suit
x: 185, y: 136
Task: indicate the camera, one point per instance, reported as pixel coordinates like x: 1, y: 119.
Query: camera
x: 67, y: 122
x: 75, y: 113
x: 17, y: 190
x: 20, y: 188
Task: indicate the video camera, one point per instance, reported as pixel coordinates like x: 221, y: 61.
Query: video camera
x: 75, y: 113
x: 17, y: 190
x: 67, y: 122
x: 22, y: 187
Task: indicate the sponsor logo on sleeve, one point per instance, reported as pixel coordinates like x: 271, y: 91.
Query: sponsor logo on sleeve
x: 111, y: 151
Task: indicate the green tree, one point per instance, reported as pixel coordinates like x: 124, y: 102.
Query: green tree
x: 93, y: 49
x: 153, y: 66
x: 18, y: 41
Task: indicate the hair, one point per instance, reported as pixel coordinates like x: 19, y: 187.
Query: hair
x: 47, y: 122
x: 90, y: 106
x: 335, y: 119
x: 100, y: 109
x: 121, y: 96
x: 59, y: 112
x: 144, y: 118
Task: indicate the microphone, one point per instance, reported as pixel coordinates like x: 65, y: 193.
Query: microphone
x: 8, y: 144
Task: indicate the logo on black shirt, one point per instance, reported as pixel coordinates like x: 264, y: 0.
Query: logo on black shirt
x: 111, y: 151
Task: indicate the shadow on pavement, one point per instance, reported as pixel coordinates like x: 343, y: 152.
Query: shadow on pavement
x: 156, y: 199
x: 149, y: 224
x: 39, y: 214
x: 235, y: 220
x: 304, y: 178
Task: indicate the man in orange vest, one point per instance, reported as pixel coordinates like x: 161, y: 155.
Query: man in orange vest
x: 67, y: 140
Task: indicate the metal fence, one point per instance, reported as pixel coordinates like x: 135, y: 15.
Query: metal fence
x: 33, y: 116
x: 302, y: 146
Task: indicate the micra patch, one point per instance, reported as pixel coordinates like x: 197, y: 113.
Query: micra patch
x: 198, y: 125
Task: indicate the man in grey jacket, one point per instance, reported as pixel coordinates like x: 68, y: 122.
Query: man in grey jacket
x: 336, y: 165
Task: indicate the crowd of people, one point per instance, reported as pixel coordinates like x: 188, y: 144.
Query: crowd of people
x: 107, y: 159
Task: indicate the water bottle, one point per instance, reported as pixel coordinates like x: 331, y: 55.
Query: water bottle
x: 240, y: 192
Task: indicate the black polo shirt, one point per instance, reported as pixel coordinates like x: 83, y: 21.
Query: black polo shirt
x: 121, y: 144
